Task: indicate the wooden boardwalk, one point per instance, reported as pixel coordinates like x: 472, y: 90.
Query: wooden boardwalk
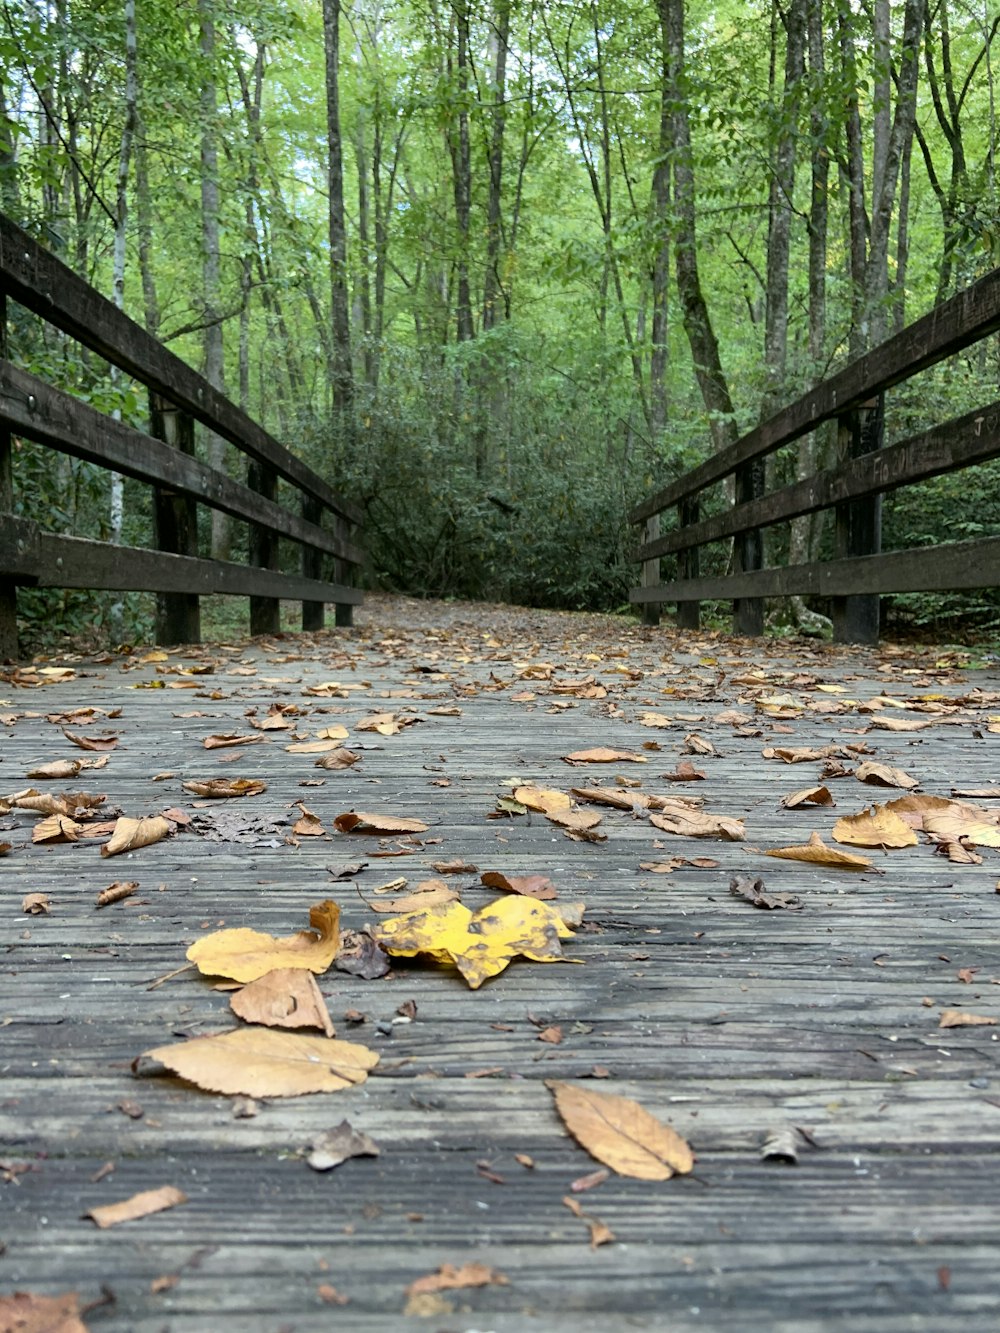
x: 732, y: 1024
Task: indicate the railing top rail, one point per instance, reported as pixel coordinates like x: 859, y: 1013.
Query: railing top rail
x: 950, y: 327
x: 38, y: 280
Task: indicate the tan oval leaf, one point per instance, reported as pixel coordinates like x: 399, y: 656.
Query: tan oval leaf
x: 695, y: 824
x: 577, y: 820
x: 884, y: 775
x: 259, y: 1062
x: 621, y: 1134
x: 139, y: 1205
x: 131, y: 834
x: 336, y: 759
x: 532, y: 886
x: 818, y: 853
x: 602, y: 755
x: 808, y: 796
x: 358, y: 821
x: 219, y: 789
x: 543, y: 799
x: 879, y: 827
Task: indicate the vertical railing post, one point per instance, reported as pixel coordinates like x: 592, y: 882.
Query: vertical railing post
x: 748, y: 550
x: 342, y: 573
x: 651, y: 571
x: 175, y: 527
x: 858, y: 523
x: 265, y: 612
x: 313, y: 613
x: 688, y: 563
x: 8, y: 589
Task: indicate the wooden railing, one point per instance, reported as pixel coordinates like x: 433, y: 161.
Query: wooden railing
x: 858, y: 571
x: 164, y: 459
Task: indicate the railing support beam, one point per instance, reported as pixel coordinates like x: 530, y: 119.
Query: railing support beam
x: 858, y: 523
x: 313, y: 613
x: 265, y: 612
x: 175, y: 527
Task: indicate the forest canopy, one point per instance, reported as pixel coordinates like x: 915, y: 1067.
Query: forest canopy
x: 498, y: 268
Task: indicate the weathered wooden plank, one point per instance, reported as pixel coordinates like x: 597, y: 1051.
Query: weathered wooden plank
x: 8, y: 589
x: 33, y: 409
x: 36, y: 279
x: 957, y: 323
x: 31, y: 556
x: 950, y: 447
x: 955, y: 565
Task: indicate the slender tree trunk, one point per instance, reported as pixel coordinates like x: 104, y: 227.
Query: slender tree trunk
x: 492, y: 284
x: 462, y: 174
x: 144, y: 221
x: 660, y: 276
x: 211, y: 263
x: 343, y: 372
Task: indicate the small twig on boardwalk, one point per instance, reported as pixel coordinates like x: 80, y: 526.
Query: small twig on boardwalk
x: 170, y: 975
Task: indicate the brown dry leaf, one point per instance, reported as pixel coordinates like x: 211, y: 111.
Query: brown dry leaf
x: 753, y: 891
x: 335, y: 733
x: 912, y: 809
x: 607, y: 796
x: 114, y: 893
x: 357, y: 821
x: 24, y: 1312
x: 139, y: 1205
x: 685, y: 772
x: 448, y: 1278
x: 654, y: 720
x: 600, y: 1232
x: 329, y: 1295
x: 336, y: 1145
x: 6, y: 848
x: 883, y: 775
x: 695, y: 824
x: 387, y: 724
x: 544, y: 800
x: 314, y: 747
x: 218, y: 789
x: 244, y: 955
x: 808, y: 796
x: 695, y: 744
x: 954, y: 1018
x: 532, y: 886
x: 259, y: 1062
x: 36, y: 904
x: 879, y: 827
x: 800, y: 754
x: 131, y: 834
x: 56, y: 828
x: 226, y: 739
x: 308, y: 825
x: 456, y: 867
x: 579, y: 821
x: 429, y: 893
x: 59, y: 768
x: 818, y: 853
x: 621, y: 1134
x: 286, y: 997
x: 603, y: 755
x: 92, y: 742
x: 337, y: 759
x: 899, y: 724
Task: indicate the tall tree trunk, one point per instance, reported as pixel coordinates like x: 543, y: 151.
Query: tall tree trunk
x: 340, y: 312
x: 144, y: 222
x: 462, y: 173
x: 660, y: 276
x: 212, y: 315
x: 492, y: 284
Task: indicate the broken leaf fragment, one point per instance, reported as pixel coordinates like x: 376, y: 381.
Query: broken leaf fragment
x: 600, y: 1232
x: 336, y: 1145
x: 955, y: 1018
x: 286, y: 997
x: 480, y: 944
x: 244, y: 955
x: 26, y: 1312
x: 260, y: 1062
x: 139, y: 1205
x: 621, y: 1134
x: 754, y: 892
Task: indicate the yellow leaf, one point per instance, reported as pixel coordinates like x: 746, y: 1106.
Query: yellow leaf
x: 881, y: 827
x: 602, y: 755
x: 543, y: 799
x: 480, y: 944
x: 817, y: 852
x: 258, y: 1062
x: 621, y: 1134
x: 245, y: 955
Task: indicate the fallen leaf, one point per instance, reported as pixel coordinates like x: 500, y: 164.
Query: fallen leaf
x: 457, y: 867
x: 139, y: 1205
x: 818, y: 853
x: 338, y: 759
x: 92, y: 742
x: 606, y: 796
x: 545, y: 801
x: 880, y: 827
x: 329, y: 1295
x: 808, y: 796
x: 532, y: 886
x: 448, y: 1277
x: 603, y: 755
x: 356, y: 821
x: 56, y: 828
x: 579, y: 821
x: 36, y: 904
x: 259, y: 1062
x: 24, y: 1312
x: 218, y: 789
x: 600, y: 1232
x: 286, y: 997
x: 114, y: 893
x: 315, y: 747
x: 308, y: 825
x: 131, y: 834
x: 695, y: 744
x: 480, y: 944
x: 654, y: 720
x: 429, y: 893
x: 590, y: 1181
x: 244, y: 955
x: 684, y: 772
x: 883, y: 775
x: 954, y: 825
x: 621, y: 1134
x: 695, y: 824
x: 954, y: 1018
x: 230, y: 738
x: 752, y: 891
x: 336, y: 1145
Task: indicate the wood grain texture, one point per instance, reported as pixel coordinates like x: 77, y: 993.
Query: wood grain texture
x: 725, y: 1022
